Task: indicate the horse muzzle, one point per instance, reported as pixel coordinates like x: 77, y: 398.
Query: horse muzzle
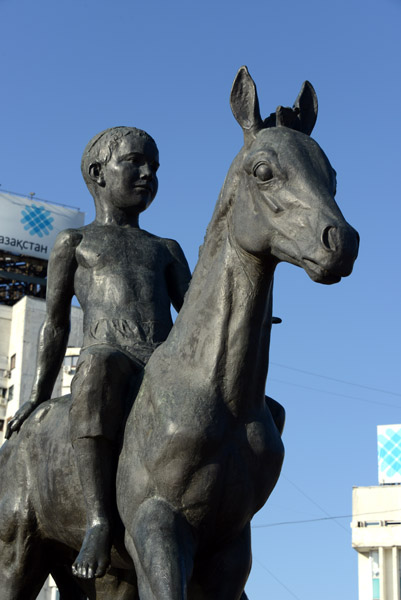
x: 338, y: 252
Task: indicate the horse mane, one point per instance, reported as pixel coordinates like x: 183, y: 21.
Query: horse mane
x: 214, y: 233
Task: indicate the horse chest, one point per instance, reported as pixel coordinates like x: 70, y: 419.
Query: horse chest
x: 243, y: 464
x: 251, y: 468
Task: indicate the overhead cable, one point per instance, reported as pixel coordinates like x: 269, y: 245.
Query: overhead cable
x: 366, y: 387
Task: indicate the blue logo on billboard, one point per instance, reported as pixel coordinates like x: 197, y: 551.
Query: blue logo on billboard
x: 390, y: 452
x: 37, y: 220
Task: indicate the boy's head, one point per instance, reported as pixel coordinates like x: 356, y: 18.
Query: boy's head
x: 107, y: 159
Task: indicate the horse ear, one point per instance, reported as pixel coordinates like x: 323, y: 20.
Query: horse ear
x: 244, y: 102
x: 306, y: 107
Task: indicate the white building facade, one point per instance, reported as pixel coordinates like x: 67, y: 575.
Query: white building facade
x: 376, y: 523
x: 20, y: 325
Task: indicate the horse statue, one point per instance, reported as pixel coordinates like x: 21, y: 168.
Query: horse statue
x: 202, y: 450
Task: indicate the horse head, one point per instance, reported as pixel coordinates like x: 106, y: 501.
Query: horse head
x: 285, y: 188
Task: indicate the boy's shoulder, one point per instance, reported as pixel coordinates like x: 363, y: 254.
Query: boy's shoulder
x: 68, y: 238
x: 168, y: 243
x: 75, y: 236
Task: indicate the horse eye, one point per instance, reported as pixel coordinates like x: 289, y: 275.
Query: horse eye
x: 263, y: 171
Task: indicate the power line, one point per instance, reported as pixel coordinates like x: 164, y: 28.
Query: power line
x: 328, y: 518
x: 366, y: 387
x: 299, y: 522
x: 276, y: 578
x: 308, y: 387
x: 314, y: 502
x: 323, y: 519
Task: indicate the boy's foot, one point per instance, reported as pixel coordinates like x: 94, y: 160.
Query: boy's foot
x: 94, y: 556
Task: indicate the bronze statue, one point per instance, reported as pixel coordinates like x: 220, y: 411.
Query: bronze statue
x: 201, y: 450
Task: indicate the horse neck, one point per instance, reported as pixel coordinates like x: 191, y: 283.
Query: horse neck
x: 222, y: 334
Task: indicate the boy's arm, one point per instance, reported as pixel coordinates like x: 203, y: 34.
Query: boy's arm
x: 178, y: 274
x: 54, y: 334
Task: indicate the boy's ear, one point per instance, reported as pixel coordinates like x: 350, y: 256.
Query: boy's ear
x: 96, y: 173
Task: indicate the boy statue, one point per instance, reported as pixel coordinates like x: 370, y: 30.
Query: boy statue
x: 125, y: 280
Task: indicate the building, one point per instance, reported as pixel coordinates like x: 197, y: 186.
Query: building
x: 376, y: 523
x: 49, y: 591
x: 20, y: 325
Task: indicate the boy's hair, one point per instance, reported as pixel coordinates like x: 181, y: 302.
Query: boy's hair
x: 101, y: 147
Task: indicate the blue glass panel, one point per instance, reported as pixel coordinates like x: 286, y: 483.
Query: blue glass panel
x: 376, y: 589
x: 389, y: 449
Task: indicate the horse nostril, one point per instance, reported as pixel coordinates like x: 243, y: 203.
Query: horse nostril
x: 329, y: 238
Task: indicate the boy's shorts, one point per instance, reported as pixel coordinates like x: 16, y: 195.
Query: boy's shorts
x: 101, y: 391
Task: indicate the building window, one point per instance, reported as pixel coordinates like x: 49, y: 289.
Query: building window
x: 70, y: 363
x: 375, y: 572
x: 1, y: 424
x: 3, y: 392
x: 12, y: 362
x: 11, y: 393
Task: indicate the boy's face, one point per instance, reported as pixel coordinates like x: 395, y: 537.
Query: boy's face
x: 130, y: 175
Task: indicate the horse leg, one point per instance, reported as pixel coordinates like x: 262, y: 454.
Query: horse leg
x: 161, y: 545
x: 117, y: 585
x: 223, y: 574
x: 68, y: 586
x: 23, y: 570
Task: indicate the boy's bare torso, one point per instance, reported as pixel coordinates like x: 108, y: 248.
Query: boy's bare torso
x: 122, y: 283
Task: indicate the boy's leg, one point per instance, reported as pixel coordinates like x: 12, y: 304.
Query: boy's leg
x: 95, y: 458
x: 99, y: 388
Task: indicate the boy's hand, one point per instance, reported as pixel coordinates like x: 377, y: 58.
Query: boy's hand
x: 20, y: 416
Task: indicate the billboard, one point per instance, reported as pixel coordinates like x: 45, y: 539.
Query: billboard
x: 30, y: 227
x: 389, y: 449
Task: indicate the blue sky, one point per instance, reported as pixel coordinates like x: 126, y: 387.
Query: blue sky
x: 69, y: 70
